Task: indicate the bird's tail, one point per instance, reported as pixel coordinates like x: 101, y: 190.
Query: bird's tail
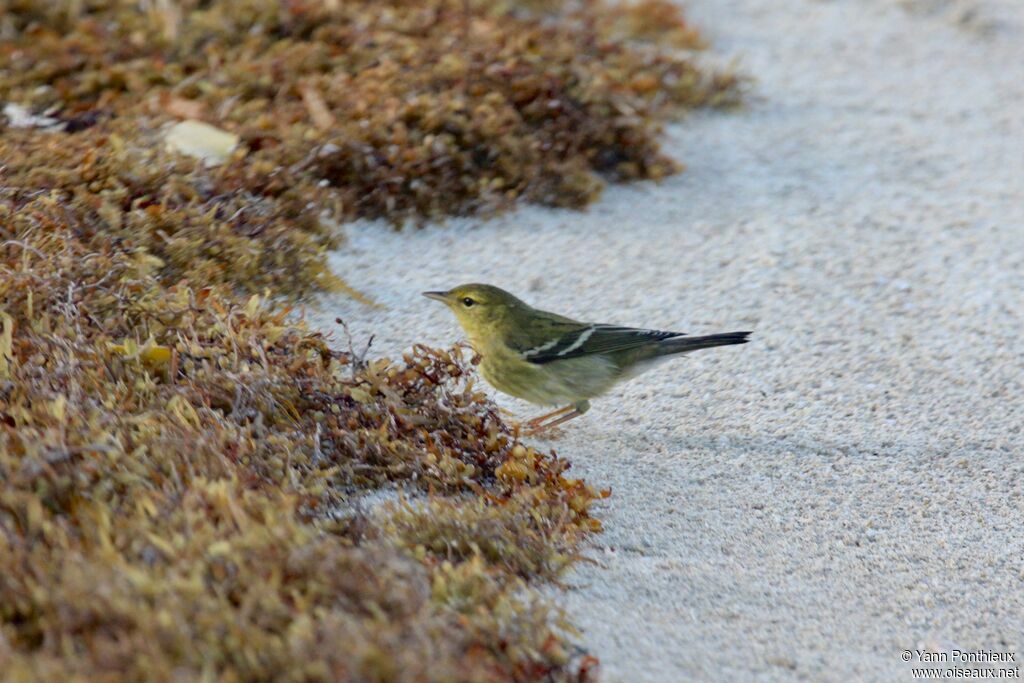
x: 685, y: 344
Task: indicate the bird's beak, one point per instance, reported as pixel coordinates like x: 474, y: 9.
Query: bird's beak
x: 437, y: 296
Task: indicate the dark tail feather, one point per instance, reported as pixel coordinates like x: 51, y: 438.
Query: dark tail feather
x: 685, y: 344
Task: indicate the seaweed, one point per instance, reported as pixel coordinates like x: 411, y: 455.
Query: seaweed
x: 182, y: 473
x: 403, y: 109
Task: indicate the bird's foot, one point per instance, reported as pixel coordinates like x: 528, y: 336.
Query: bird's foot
x: 544, y: 423
x: 541, y: 419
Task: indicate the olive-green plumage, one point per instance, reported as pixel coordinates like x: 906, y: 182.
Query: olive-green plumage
x: 548, y: 359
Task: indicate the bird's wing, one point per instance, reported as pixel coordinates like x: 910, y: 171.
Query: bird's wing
x: 583, y: 340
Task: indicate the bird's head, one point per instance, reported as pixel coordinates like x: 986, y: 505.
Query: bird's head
x: 481, y: 310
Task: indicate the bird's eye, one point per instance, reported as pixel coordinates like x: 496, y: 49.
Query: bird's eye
x: 467, y: 302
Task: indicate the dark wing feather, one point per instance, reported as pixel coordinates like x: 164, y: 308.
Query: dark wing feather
x: 590, y: 339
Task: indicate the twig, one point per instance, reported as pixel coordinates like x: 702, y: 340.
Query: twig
x: 358, y: 360
x: 317, y: 108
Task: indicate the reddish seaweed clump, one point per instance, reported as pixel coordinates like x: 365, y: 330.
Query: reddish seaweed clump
x: 183, y: 479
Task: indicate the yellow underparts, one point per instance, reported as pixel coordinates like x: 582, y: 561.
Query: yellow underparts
x: 559, y: 382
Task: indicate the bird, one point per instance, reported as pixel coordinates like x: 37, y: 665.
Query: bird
x: 550, y: 360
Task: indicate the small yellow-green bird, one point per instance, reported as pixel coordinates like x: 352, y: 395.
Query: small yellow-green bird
x: 548, y: 359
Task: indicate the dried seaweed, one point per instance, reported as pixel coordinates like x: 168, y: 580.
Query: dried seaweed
x: 404, y: 109
x: 179, y: 468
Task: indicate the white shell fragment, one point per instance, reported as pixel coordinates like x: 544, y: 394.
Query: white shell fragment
x: 202, y: 141
x: 20, y: 117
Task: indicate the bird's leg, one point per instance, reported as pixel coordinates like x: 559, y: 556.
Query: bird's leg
x: 561, y: 416
x: 539, y: 420
x: 554, y: 423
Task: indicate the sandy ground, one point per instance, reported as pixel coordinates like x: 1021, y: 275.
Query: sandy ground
x: 849, y: 485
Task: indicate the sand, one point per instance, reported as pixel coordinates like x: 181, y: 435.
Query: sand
x: 849, y: 485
